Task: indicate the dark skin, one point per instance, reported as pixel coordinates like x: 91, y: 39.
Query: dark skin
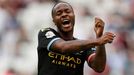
x: 63, y: 17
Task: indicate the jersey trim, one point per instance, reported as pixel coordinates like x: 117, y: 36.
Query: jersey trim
x: 51, y: 42
x: 90, y: 58
x: 94, y: 49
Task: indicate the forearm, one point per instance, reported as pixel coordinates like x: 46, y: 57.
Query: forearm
x: 99, y: 60
x: 73, y: 46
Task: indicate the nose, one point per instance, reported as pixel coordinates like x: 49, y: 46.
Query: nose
x: 64, y: 15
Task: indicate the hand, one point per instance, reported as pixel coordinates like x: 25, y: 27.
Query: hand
x: 99, y: 27
x: 108, y: 37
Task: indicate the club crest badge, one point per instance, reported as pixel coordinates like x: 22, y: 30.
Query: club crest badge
x: 49, y: 34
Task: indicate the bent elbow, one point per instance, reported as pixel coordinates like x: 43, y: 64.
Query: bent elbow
x: 99, y: 70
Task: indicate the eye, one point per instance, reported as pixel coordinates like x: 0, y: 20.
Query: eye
x: 67, y: 10
x: 58, y: 13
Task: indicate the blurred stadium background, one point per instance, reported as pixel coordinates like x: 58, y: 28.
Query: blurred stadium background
x: 21, y: 20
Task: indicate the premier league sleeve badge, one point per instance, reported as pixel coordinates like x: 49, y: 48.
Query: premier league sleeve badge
x: 49, y: 34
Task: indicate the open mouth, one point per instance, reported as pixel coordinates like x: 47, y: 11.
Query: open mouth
x: 66, y: 23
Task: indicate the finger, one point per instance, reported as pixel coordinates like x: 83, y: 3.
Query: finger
x: 97, y: 19
x: 96, y: 24
x: 110, y: 38
x: 110, y: 34
x: 110, y: 41
x: 99, y: 25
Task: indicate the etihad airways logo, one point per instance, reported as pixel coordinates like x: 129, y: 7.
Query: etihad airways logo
x: 64, y: 60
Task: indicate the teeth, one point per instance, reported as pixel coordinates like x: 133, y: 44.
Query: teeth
x: 65, y: 20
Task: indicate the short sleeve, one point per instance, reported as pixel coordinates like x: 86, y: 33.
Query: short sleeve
x: 90, y: 51
x: 47, y: 37
x: 89, y: 54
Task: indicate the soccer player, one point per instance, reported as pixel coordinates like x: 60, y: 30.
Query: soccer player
x: 59, y: 53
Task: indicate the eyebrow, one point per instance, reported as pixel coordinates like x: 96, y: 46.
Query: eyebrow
x: 64, y: 9
x: 52, y: 12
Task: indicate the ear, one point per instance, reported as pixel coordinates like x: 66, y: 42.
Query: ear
x: 54, y: 22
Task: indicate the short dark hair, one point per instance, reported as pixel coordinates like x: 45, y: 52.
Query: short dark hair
x: 52, y: 12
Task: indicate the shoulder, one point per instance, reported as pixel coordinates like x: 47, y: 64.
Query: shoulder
x: 47, y: 32
x: 46, y: 29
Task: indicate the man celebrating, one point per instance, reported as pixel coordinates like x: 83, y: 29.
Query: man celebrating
x: 59, y: 53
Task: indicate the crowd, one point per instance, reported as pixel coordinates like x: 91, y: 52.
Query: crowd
x: 21, y: 20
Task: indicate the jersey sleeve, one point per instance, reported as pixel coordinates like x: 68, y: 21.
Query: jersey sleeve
x: 90, y: 52
x: 46, y: 38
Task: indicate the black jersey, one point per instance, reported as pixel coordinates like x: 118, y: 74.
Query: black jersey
x: 52, y: 63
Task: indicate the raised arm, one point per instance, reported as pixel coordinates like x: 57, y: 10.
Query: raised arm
x: 78, y: 45
x: 97, y: 60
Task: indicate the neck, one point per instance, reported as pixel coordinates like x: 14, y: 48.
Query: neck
x: 67, y: 35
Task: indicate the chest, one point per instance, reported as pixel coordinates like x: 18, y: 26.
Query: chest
x: 75, y: 60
